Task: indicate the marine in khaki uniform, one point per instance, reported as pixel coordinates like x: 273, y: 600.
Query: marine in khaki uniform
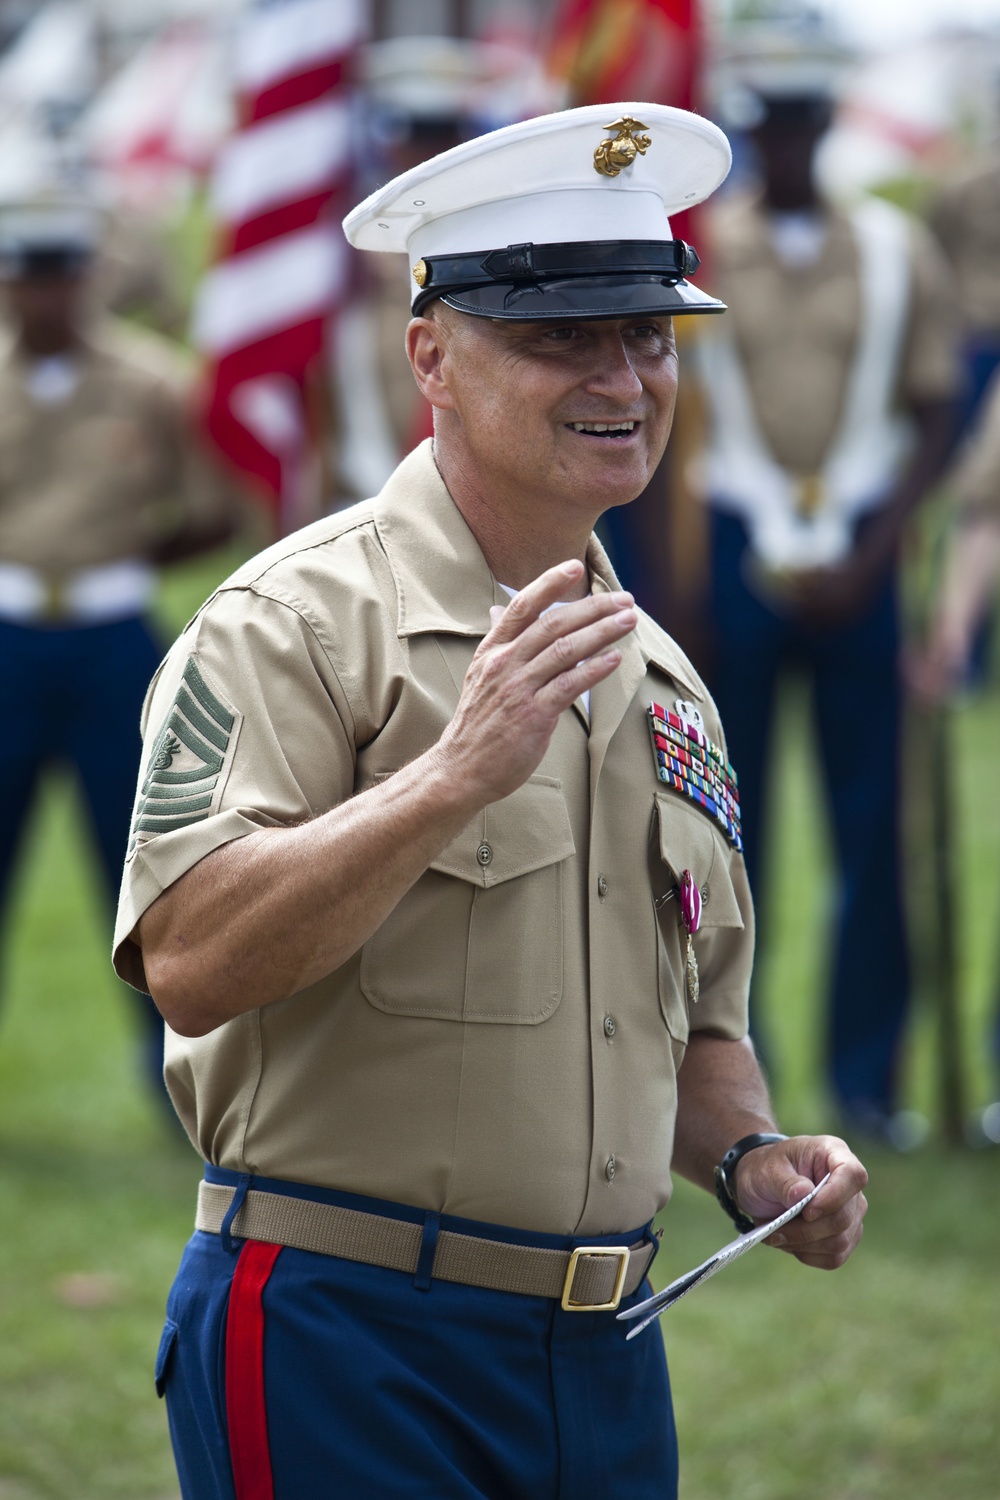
x: 99, y: 482
x: 972, y: 565
x: 423, y: 95
x: 830, y: 387
x: 436, y: 876
x: 965, y: 218
x: 967, y: 593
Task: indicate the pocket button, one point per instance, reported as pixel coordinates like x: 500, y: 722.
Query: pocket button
x: 484, y: 854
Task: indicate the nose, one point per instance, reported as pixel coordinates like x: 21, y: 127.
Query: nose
x: 613, y: 375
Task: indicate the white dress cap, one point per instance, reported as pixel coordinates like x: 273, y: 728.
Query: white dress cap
x: 602, y: 176
x: 48, y: 236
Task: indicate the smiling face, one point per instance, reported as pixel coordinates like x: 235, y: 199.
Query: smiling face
x: 571, y: 417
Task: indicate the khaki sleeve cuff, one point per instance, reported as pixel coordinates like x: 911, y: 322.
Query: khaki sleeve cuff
x: 722, y: 1015
x: 157, y: 865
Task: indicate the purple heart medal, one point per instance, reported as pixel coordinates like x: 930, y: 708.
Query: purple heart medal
x: 691, y: 917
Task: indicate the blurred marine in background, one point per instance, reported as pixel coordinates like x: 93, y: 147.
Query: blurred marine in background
x: 966, y: 219
x: 421, y: 92
x: 972, y: 567
x: 100, y: 481
x: 830, y: 389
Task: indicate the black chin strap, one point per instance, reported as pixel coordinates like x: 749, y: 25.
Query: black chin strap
x: 438, y: 274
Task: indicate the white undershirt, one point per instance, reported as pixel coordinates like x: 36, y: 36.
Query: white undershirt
x: 52, y: 380
x: 584, y: 697
x: 798, y: 236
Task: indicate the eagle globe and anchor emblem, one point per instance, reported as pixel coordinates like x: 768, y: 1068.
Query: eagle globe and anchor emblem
x: 611, y: 156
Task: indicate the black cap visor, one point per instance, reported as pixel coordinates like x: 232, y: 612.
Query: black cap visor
x: 596, y: 279
x: 581, y: 297
x: 49, y: 262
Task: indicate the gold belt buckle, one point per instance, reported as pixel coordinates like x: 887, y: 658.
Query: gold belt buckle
x: 619, y: 1252
x: 54, y: 607
x: 810, y: 495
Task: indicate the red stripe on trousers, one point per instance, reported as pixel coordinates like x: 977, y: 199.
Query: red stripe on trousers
x: 246, y: 1411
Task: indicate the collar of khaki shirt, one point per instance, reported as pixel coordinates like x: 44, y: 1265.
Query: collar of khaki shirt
x: 443, y: 582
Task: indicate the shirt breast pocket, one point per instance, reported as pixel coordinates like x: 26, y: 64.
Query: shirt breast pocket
x: 479, y: 937
x: 684, y: 839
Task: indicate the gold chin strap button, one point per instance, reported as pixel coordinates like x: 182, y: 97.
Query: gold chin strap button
x: 420, y: 273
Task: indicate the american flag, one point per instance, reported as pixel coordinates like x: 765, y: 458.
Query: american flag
x: 280, y: 187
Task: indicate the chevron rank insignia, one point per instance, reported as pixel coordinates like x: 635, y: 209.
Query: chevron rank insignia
x: 185, y: 762
x: 689, y: 762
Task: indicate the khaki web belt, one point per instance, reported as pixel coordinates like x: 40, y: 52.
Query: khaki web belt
x: 592, y: 1278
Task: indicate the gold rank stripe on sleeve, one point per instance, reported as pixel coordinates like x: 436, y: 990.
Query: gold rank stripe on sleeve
x: 186, y: 759
x: 690, y: 763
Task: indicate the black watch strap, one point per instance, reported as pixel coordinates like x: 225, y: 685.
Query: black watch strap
x: 725, y: 1176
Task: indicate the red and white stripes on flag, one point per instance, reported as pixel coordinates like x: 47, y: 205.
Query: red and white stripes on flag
x: 280, y: 188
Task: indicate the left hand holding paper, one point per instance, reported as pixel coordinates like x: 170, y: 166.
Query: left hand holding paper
x: 648, y: 1311
x: 774, y: 1178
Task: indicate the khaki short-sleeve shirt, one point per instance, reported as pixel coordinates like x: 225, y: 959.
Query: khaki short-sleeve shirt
x: 103, y: 474
x: 797, y: 327
x: 505, y: 1047
x: 966, y: 221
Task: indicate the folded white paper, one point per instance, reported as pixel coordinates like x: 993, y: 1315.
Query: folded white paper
x: 651, y: 1309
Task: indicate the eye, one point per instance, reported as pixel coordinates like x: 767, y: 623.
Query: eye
x: 654, y: 339
x: 562, y: 333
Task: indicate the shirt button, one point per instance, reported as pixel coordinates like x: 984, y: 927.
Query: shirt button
x: 609, y: 1169
x: 484, y: 854
x: 609, y: 1026
x: 602, y: 886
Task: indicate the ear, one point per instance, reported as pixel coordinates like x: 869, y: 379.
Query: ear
x: 427, y: 351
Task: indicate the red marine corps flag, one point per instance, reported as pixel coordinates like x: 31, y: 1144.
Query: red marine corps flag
x: 629, y: 49
x: 280, y: 187
x: 606, y: 51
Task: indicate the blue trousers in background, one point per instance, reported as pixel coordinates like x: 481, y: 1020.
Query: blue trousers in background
x: 853, y: 673
x: 980, y: 360
x: 72, y: 696
x: 374, y: 1386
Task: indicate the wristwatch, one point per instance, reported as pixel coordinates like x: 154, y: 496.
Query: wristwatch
x: 725, y: 1176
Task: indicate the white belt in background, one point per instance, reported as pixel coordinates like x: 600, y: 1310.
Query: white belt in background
x: 89, y: 596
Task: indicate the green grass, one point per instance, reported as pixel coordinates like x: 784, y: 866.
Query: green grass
x: 878, y: 1383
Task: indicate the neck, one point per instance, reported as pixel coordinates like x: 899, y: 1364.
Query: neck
x: 44, y: 346
x: 795, y: 200
x: 520, y: 536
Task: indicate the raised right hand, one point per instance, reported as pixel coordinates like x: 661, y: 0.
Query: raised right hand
x: 526, y: 671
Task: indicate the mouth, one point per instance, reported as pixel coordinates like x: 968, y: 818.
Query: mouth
x: 615, y: 431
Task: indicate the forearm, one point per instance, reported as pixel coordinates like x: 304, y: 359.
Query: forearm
x: 268, y: 915
x: 935, y: 421
x: 970, y: 579
x: 721, y: 1096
